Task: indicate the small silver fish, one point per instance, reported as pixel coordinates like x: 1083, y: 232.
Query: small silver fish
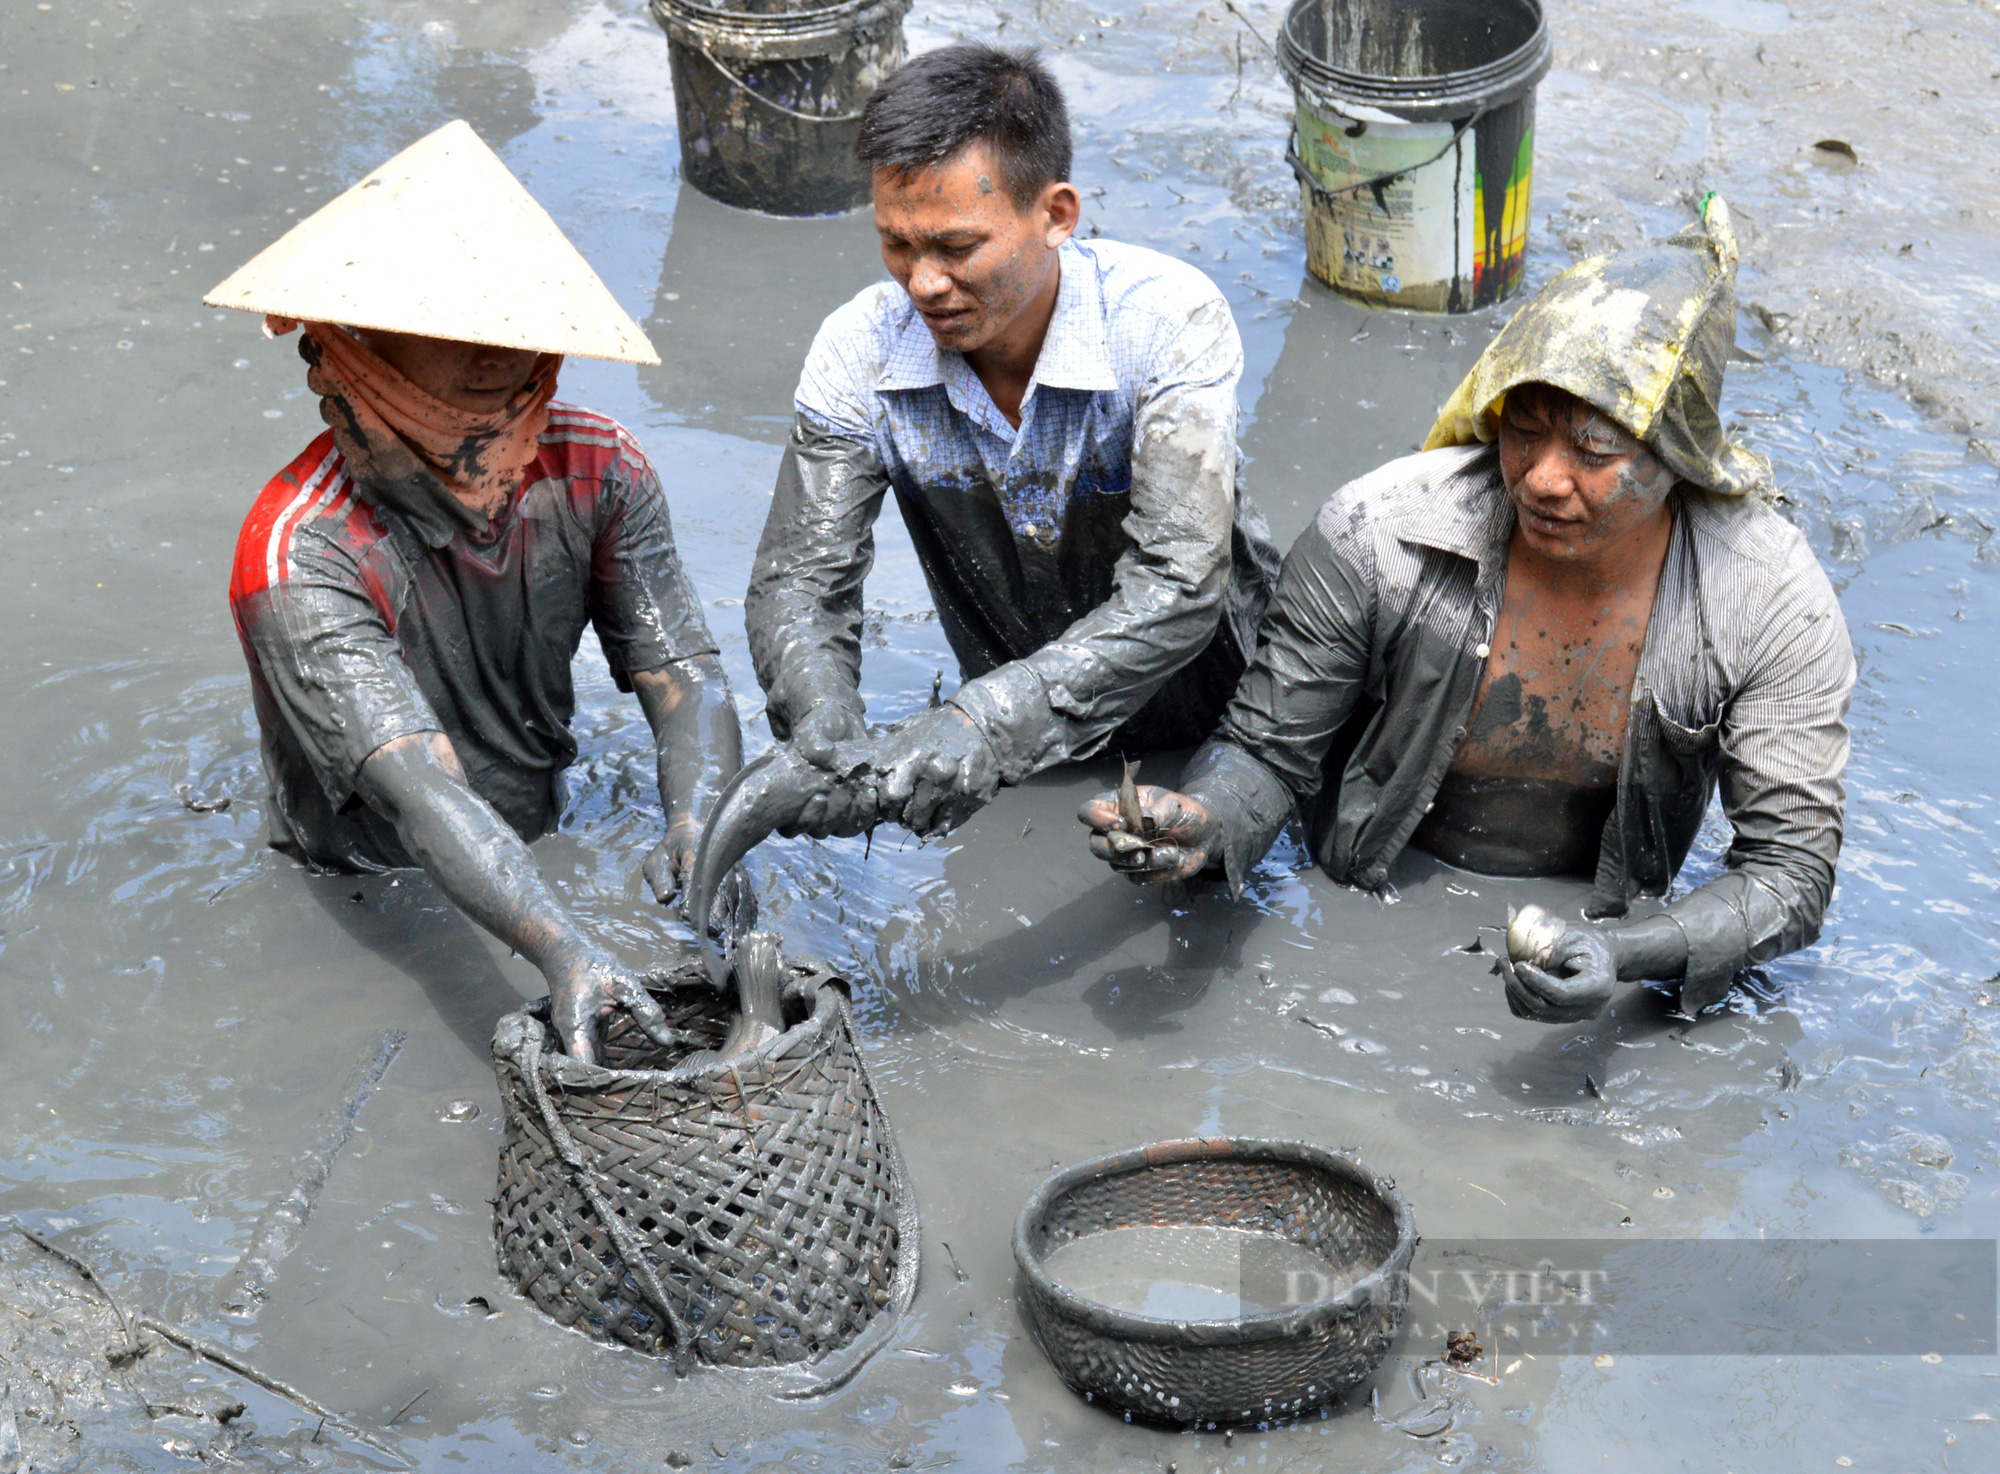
x: 1532, y: 934
x: 1137, y: 821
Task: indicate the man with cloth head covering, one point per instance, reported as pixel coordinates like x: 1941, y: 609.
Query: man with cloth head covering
x: 411, y: 590
x: 1538, y: 646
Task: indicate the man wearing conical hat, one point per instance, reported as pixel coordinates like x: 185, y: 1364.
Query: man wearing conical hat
x: 411, y: 590
x: 1539, y: 646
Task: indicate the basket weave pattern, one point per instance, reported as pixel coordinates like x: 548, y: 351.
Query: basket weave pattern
x: 754, y: 1205
x: 1225, y: 1373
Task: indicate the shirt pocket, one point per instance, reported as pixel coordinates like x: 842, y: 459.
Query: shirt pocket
x: 1688, y: 742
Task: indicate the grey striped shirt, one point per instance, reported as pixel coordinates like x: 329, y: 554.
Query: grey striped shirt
x: 1366, y: 672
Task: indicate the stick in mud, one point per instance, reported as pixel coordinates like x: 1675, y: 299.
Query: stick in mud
x: 91, y: 1277
x: 209, y: 1351
x: 284, y: 1222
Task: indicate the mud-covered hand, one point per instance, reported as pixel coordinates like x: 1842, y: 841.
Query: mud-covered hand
x: 1181, y: 839
x: 822, y: 729
x: 936, y: 770
x: 585, y: 985
x: 671, y: 865
x: 672, y: 861
x: 1573, y: 984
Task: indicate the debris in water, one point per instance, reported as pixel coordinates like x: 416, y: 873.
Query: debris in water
x: 397, y: 1416
x: 459, y: 1112
x: 963, y: 1277
x: 10, y: 1433
x: 1592, y: 1087
x: 1462, y: 1349
x: 1839, y: 147
x: 194, y: 803
x: 1332, y: 1031
x: 284, y: 1222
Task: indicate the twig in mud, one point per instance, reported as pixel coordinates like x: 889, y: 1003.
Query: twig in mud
x: 406, y: 1407
x: 1229, y: 6
x: 209, y: 1351
x: 91, y: 1277
x: 963, y: 1277
x: 284, y: 1222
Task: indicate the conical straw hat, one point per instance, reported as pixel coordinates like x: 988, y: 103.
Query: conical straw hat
x: 444, y: 242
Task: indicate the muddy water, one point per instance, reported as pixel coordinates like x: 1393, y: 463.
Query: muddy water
x: 184, y: 1009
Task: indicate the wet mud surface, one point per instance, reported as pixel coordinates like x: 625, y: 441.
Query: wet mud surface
x: 186, y: 1010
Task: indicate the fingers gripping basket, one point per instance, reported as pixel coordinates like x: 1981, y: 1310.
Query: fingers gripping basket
x: 753, y: 1212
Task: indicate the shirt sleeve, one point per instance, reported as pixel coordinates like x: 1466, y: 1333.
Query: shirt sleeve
x: 1309, y: 673
x: 836, y: 390
x: 642, y: 602
x: 1168, y: 588
x: 1784, y: 745
x: 333, y: 666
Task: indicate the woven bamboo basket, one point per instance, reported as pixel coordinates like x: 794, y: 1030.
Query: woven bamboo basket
x: 747, y: 1213
x: 1256, y: 1369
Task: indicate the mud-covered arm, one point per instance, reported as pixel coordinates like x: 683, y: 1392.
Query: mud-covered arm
x: 698, y: 746
x: 803, y: 608
x: 487, y: 871
x: 1309, y: 671
x: 1784, y: 752
x: 1168, y: 588
x: 649, y: 620
x: 470, y: 852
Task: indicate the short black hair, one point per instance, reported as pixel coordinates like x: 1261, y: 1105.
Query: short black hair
x: 935, y: 104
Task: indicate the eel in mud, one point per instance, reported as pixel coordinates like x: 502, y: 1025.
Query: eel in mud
x: 767, y: 794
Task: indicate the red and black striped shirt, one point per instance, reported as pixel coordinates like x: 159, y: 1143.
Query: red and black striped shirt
x: 361, y: 626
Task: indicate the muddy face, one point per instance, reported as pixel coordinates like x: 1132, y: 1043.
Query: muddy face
x: 1580, y: 483
x: 474, y: 377
x: 971, y: 256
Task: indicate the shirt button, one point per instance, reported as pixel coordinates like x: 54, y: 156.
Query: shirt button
x: 1429, y: 806
x: 1482, y: 651
x: 1459, y: 734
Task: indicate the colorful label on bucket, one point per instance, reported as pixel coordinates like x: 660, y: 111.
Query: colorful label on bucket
x: 1501, y: 251
x: 1403, y: 241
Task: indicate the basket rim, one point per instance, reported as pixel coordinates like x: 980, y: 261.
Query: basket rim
x: 830, y: 992
x: 1370, y: 1289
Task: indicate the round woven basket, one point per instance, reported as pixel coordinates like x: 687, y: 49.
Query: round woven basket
x: 1221, y: 1372
x: 752, y: 1212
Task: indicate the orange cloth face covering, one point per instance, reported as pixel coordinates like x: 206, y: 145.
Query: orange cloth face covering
x: 417, y: 452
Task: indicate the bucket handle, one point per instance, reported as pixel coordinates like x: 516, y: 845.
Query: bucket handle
x: 776, y: 107
x: 1322, y: 195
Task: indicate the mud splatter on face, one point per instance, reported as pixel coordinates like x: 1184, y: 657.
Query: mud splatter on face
x: 986, y: 184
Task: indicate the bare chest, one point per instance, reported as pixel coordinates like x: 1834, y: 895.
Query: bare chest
x: 1556, y: 693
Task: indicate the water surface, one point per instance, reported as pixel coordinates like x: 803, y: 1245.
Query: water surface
x: 183, y: 1005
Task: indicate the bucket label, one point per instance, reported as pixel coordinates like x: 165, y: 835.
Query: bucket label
x: 1404, y: 241
x: 1500, y: 256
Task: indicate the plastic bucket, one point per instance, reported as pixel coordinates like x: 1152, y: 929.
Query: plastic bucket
x: 769, y: 95
x: 1414, y: 146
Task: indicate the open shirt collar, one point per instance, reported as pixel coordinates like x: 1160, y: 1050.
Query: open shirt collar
x: 1075, y: 353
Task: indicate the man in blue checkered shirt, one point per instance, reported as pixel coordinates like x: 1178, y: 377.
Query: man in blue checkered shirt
x: 1057, y: 419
